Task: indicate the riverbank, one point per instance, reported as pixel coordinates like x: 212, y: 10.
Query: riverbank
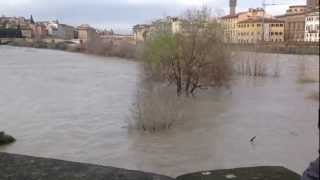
x: 17, y: 167
x: 128, y: 50
x: 280, y: 48
x: 109, y: 49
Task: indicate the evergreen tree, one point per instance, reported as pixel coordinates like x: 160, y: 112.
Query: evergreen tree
x: 31, y: 19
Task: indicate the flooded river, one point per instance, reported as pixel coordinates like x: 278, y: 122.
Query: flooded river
x: 76, y: 107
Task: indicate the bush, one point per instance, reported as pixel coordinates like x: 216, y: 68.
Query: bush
x: 256, y: 66
x: 307, y: 74
x: 156, y: 111
x: 194, y: 58
x: 5, y: 139
x: 40, y: 44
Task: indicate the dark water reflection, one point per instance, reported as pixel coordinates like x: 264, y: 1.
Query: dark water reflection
x: 75, y: 107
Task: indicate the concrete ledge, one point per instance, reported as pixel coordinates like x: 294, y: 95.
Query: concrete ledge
x: 18, y: 167
x: 252, y: 173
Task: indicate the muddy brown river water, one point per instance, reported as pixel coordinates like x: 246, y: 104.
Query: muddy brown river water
x: 76, y: 107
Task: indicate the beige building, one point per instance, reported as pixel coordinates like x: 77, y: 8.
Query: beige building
x: 26, y: 32
x: 294, y: 23
x: 295, y: 20
x: 168, y: 24
x: 252, y: 30
x: 230, y: 29
x: 230, y: 22
x: 86, y: 33
x: 312, y: 27
x: 141, y: 32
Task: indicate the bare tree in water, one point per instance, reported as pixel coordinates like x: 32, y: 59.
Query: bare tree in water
x: 192, y: 59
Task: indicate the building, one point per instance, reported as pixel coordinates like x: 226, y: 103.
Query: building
x: 169, y: 25
x: 62, y: 31
x: 230, y: 29
x: 26, y: 32
x: 141, y: 32
x: 67, y: 32
x: 230, y: 22
x: 40, y: 31
x: 312, y: 27
x: 86, y: 33
x: 313, y: 5
x: 295, y: 20
x: 10, y: 33
x: 252, y: 30
x: 17, y: 25
x: 294, y: 23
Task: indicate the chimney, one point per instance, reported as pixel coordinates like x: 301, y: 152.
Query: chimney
x: 233, y: 6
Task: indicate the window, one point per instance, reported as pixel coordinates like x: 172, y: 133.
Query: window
x: 281, y: 25
x: 276, y: 33
x: 258, y: 25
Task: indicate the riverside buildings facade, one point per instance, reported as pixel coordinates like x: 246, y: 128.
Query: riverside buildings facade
x: 252, y: 30
x: 312, y: 27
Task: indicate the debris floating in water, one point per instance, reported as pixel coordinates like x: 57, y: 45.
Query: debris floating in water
x: 252, y: 139
x: 206, y: 173
x: 230, y: 176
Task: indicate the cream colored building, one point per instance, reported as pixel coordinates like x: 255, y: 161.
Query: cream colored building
x: 251, y: 30
x: 312, y: 27
x: 168, y: 24
x: 294, y: 23
x: 86, y: 33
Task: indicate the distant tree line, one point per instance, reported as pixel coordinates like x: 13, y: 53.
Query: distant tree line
x: 10, y: 33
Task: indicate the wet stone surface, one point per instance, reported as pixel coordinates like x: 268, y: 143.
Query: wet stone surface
x: 18, y: 167
x: 253, y: 173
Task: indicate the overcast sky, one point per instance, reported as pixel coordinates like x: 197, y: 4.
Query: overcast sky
x: 121, y: 15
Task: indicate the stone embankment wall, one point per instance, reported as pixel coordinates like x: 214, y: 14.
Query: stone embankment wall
x: 19, y: 167
x: 283, y: 48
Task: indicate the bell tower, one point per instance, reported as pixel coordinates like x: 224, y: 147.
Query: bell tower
x: 233, y: 6
x: 313, y: 4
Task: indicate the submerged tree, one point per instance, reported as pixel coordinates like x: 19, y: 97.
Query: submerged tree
x: 193, y: 58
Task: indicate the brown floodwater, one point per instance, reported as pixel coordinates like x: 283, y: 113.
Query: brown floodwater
x: 76, y: 107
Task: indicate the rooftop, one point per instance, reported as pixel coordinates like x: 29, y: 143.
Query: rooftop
x: 260, y: 19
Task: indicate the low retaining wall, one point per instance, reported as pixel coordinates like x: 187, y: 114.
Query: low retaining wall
x: 310, y: 49
x: 19, y: 167
x: 252, y: 173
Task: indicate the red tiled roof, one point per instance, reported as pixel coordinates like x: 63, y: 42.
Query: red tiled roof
x: 232, y: 16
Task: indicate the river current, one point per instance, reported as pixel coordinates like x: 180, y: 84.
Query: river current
x: 76, y: 107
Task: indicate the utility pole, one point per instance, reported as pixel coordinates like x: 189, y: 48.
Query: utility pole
x: 263, y: 21
x: 264, y: 5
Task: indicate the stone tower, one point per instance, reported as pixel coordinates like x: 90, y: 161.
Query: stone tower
x: 312, y: 4
x: 233, y: 6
